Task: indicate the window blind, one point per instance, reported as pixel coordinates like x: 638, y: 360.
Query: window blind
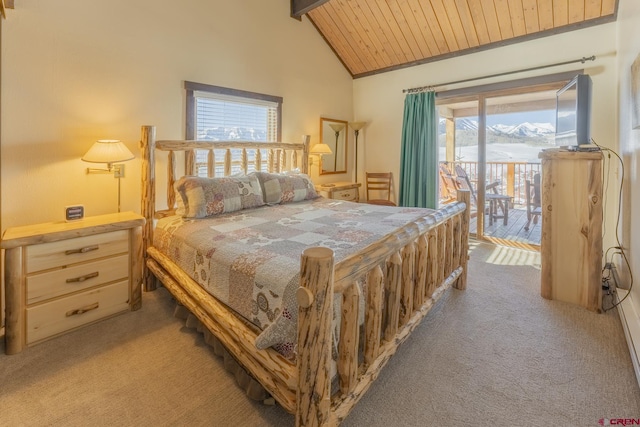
x: 222, y: 117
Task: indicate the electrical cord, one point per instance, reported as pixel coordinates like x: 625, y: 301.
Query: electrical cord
x: 622, y: 251
x: 606, y: 173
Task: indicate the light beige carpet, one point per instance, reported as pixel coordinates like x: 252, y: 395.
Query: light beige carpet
x: 495, y: 354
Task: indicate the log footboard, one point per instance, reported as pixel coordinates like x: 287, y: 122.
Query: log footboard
x: 404, y: 277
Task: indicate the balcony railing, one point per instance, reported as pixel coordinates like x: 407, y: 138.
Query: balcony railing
x: 511, y: 175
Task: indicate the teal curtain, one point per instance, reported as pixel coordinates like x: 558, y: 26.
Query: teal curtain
x: 419, y: 155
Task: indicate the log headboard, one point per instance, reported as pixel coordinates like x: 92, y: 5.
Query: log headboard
x: 279, y: 157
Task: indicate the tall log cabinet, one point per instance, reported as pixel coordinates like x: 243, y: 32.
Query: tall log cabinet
x: 571, y: 245
x: 60, y: 276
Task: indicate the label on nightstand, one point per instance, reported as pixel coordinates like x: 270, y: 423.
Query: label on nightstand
x: 74, y: 213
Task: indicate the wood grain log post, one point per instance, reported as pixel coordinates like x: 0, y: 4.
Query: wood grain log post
x: 270, y: 161
x: 393, y: 292
x: 432, y: 255
x: 315, y: 301
x: 245, y: 161
x: 448, y: 262
x: 148, y: 149
x: 593, y: 298
x: 15, y: 288
x: 349, y: 339
x: 227, y: 162
x: 464, y: 196
x: 137, y: 267
x: 421, y: 272
x: 373, y: 314
x: 258, y: 160
x: 456, y: 241
x: 306, y: 142
x: 171, y: 180
x: 278, y: 164
x: 190, y: 162
x: 442, y: 237
x: 408, y: 282
x: 294, y: 158
x: 546, y: 272
x: 211, y: 163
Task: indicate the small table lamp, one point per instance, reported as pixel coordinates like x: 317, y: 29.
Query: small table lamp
x: 109, y: 151
x: 320, y: 150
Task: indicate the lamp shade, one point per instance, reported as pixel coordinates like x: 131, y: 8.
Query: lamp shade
x: 108, y: 151
x: 320, y: 149
x: 357, y: 125
x: 337, y: 127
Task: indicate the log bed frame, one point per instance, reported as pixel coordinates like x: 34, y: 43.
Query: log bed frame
x: 404, y: 274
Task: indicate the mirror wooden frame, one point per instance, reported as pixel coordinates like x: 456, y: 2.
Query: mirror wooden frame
x: 336, y: 162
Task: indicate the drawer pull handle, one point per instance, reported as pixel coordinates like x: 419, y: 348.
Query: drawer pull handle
x: 83, y: 278
x: 82, y: 250
x: 83, y: 309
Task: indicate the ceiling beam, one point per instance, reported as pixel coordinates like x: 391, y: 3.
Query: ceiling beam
x: 300, y: 7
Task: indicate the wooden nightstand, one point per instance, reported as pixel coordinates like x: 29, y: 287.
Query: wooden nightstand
x: 63, y: 275
x: 340, y: 190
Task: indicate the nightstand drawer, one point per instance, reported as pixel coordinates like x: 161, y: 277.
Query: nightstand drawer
x: 55, y: 283
x: 65, y: 252
x: 63, y: 314
x: 349, y: 194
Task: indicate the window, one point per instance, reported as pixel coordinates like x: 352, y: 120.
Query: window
x: 217, y: 113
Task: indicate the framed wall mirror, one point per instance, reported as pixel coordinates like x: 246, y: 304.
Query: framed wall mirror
x: 334, y: 133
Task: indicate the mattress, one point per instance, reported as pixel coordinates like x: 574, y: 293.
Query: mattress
x: 250, y: 259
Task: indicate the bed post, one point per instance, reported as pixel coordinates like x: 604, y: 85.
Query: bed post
x: 148, y: 148
x: 304, y: 168
x: 465, y: 197
x: 315, y: 301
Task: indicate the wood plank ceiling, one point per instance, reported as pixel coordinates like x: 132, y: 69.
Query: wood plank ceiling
x: 373, y: 36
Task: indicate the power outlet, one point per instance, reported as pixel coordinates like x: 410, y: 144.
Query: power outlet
x: 616, y: 278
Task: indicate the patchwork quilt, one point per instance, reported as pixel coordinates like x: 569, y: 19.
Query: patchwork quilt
x: 250, y: 259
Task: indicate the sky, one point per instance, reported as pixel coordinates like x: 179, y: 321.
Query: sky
x: 545, y: 116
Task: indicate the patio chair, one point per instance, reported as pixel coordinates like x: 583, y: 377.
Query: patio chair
x: 495, y: 199
x: 532, y: 194
x: 465, y: 183
x: 448, y: 185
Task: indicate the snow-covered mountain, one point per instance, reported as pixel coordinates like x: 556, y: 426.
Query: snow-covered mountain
x: 525, y: 129
x: 466, y: 124
x: 223, y: 133
x: 522, y: 130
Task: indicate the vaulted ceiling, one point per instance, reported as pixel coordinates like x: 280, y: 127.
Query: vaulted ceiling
x: 373, y: 36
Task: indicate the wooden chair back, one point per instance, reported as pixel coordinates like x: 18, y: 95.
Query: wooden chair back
x: 379, y: 182
x: 448, y: 185
x: 465, y: 183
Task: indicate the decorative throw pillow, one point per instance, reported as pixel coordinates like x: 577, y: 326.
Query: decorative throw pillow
x: 279, y: 188
x: 204, y: 197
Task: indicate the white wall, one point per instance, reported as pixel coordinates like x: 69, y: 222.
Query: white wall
x: 74, y: 71
x: 628, y: 51
x: 379, y: 99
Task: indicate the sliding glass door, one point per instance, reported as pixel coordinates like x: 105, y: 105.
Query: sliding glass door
x: 489, y: 143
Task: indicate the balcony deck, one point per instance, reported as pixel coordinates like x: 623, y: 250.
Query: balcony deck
x: 514, y: 230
